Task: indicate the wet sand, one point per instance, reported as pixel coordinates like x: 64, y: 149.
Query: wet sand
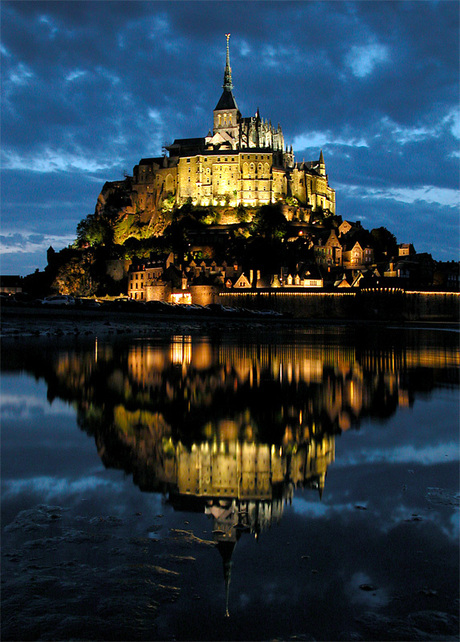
x: 21, y: 322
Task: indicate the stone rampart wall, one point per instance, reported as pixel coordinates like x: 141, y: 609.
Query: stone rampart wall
x: 376, y: 304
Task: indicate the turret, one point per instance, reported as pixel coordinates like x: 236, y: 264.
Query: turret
x: 322, y: 165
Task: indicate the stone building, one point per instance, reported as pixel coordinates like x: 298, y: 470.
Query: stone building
x: 243, y: 161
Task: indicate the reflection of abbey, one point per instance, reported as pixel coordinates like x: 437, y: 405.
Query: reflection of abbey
x: 243, y: 161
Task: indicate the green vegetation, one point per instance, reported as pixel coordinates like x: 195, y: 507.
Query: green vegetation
x: 120, y: 230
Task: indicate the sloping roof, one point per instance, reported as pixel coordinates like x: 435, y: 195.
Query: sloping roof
x: 361, y: 236
x: 226, y: 101
x: 186, y: 145
x: 150, y: 161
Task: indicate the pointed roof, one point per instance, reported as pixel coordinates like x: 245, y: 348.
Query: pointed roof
x: 227, y: 100
x: 321, y: 158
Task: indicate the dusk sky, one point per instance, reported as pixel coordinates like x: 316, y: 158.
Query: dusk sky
x: 90, y: 88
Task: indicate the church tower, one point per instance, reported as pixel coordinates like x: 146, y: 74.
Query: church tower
x: 226, y: 113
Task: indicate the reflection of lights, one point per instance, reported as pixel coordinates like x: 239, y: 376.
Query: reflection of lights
x: 202, y: 356
x: 181, y: 350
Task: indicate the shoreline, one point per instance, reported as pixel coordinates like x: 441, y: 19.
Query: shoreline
x: 34, y: 322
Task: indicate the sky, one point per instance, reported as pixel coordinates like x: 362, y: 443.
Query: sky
x: 89, y: 88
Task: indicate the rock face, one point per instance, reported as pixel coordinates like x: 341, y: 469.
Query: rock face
x: 129, y: 212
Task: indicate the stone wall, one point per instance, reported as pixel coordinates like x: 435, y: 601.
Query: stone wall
x: 158, y: 292
x: 334, y: 305
x: 203, y: 294
x: 377, y: 304
x: 432, y: 306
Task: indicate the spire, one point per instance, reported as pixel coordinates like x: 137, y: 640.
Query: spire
x: 322, y: 165
x: 228, y: 70
x: 227, y: 101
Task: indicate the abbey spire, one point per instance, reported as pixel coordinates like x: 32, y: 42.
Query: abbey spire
x: 226, y: 113
x: 227, y: 100
x: 228, y: 70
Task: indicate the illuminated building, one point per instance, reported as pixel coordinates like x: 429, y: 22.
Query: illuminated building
x: 243, y: 161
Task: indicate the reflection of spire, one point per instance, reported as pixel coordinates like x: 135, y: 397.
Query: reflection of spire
x: 226, y: 551
x: 321, y: 482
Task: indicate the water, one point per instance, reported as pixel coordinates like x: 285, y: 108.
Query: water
x: 255, y: 485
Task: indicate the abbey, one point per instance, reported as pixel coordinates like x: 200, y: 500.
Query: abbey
x: 243, y: 161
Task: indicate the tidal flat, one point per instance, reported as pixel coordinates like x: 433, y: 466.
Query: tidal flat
x: 229, y: 481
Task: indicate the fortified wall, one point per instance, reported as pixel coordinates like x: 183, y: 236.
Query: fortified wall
x: 379, y: 304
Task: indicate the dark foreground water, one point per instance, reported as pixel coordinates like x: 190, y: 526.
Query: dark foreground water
x: 259, y: 485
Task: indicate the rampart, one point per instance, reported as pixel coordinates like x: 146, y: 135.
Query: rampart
x: 376, y: 304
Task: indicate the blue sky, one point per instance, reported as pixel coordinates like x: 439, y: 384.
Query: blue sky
x: 89, y: 88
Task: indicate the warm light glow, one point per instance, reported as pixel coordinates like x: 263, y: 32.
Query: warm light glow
x: 181, y: 350
x: 181, y: 297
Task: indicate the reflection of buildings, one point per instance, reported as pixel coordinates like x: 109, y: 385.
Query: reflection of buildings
x: 231, y: 429
x: 242, y: 486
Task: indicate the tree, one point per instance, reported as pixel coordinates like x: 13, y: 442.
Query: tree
x: 242, y: 214
x: 385, y: 243
x: 75, y: 277
x: 270, y: 222
x: 93, y: 230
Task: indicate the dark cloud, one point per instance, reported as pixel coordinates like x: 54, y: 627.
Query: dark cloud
x: 89, y: 88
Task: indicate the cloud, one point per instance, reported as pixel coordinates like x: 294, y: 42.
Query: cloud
x: 427, y: 193
x: 53, y: 488
x: 52, y: 160
x: 402, y: 454
x: 363, y: 59
x: 17, y: 243
x: 15, y: 406
x: 75, y: 75
x: 434, y: 126
x: 20, y: 75
x: 317, y: 139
